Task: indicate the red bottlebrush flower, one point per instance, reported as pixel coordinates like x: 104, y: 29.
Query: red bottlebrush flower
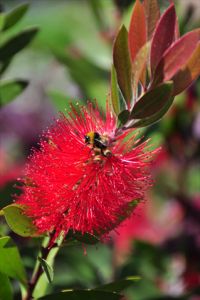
x: 71, y: 183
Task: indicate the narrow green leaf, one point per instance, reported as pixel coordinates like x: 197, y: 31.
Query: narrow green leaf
x: 9, y: 90
x: 17, y: 43
x: 154, y: 118
x: 48, y: 270
x: 83, y: 295
x: 18, y: 221
x: 121, y: 59
x: 2, y: 18
x: 12, y: 17
x: 5, y: 288
x: 152, y: 101
x: 119, y: 285
x: 10, y: 262
x: 123, y: 117
x: 114, y: 92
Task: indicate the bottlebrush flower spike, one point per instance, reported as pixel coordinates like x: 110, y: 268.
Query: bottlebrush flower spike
x: 71, y: 184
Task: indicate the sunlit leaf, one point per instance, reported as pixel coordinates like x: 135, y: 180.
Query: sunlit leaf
x: 163, y: 36
x: 18, y: 221
x: 5, y: 287
x: 176, y: 56
x: 139, y: 65
x: 83, y: 295
x: 137, y: 34
x: 9, y: 90
x: 119, y: 285
x: 189, y: 72
x: 10, y: 262
x: 152, y: 13
x: 122, y: 64
x: 152, y: 101
x: 16, y: 43
x: 48, y: 270
x: 12, y: 17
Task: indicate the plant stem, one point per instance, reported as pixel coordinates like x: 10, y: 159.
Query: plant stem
x: 45, y: 252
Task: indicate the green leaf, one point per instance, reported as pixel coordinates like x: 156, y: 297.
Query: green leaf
x: 2, y: 18
x: 121, y: 59
x: 5, y: 288
x: 12, y: 17
x: 152, y: 101
x: 86, y: 238
x: 18, y: 221
x: 123, y: 117
x: 114, y: 92
x: 48, y: 270
x: 10, y: 262
x: 9, y: 90
x: 118, y: 285
x: 83, y: 295
x: 17, y: 43
x: 154, y: 118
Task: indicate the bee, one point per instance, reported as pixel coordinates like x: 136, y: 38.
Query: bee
x: 98, y: 142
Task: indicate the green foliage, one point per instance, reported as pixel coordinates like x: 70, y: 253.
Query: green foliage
x: 16, y: 43
x: 153, y: 101
x: 86, y: 238
x: 119, y: 285
x: 18, y: 221
x: 9, y: 90
x: 10, y: 262
x: 123, y: 117
x: 155, y: 117
x: 13, y: 16
x: 5, y: 288
x: 83, y: 295
x: 48, y: 270
x: 122, y: 63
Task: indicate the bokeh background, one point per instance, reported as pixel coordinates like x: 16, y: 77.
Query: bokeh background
x: 69, y: 60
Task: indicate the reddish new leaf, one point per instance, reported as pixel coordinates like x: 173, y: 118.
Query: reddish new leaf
x: 176, y: 56
x: 163, y: 36
x: 152, y: 16
x: 139, y: 65
x: 189, y: 72
x: 137, y: 31
x: 122, y: 64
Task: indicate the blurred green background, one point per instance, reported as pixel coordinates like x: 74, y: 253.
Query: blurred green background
x: 69, y: 60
